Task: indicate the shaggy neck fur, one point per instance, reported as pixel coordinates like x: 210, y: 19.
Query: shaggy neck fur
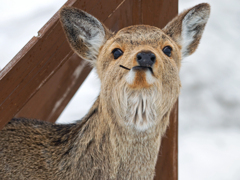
x: 116, y: 151
x: 111, y: 151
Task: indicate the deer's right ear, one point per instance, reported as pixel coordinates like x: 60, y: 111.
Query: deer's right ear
x: 84, y: 32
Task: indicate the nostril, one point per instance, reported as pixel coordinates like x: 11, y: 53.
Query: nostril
x: 139, y: 56
x: 153, y: 57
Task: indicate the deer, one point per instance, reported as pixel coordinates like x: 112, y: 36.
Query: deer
x: 120, y: 136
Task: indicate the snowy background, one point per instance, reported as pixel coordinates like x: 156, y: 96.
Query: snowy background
x: 209, y: 117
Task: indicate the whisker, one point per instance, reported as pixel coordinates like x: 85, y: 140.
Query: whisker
x: 124, y: 67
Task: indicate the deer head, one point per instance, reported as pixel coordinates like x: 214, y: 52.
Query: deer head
x: 139, y: 65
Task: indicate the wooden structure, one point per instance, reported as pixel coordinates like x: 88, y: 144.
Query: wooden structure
x: 41, y: 79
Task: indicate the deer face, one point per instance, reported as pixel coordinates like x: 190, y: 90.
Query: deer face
x: 151, y: 85
x: 139, y: 65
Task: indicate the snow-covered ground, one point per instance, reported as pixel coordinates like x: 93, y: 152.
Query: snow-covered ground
x: 209, y: 117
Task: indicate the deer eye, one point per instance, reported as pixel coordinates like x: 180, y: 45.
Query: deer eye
x: 117, y: 53
x: 167, y: 50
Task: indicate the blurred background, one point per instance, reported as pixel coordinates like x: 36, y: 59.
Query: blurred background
x: 209, y: 105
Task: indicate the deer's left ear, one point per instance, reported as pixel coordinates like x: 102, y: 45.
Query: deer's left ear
x: 186, y: 29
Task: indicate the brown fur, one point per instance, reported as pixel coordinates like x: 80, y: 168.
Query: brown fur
x: 120, y: 136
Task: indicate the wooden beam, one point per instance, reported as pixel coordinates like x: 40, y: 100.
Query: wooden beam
x: 61, y: 87
x: 36, y: 63
x: 51, y: 99
x: 167, y: 164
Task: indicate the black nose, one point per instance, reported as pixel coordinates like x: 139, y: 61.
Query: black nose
x: 146, y: 59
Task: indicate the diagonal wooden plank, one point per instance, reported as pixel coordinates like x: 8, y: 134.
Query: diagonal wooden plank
x: 40, y: 59
x: 57, y: 91
x: 61, y: 87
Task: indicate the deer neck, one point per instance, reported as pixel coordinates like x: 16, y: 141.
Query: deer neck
x: 128, y: 149
x: 119, y: 150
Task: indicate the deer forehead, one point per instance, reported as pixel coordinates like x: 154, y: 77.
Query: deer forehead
x: 139, y: 35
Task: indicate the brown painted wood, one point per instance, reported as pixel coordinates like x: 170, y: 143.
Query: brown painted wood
x: 167, y: 165
x: 32, y: 67
x: 49, y: 102
x: 61, y: 87
x: 158, y: 12
x: 59, y: 90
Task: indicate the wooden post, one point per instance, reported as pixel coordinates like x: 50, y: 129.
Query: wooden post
x: 42, y: 78
x: 167, y: 165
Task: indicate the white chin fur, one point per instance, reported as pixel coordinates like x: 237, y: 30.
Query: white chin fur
x: 138, y: 107
x: 131, y: 77
x: 149, y: 77
x: 141, y: 109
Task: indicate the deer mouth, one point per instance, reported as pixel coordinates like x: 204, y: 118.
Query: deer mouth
x: 140, y: 77
x: 138, y: 68
x: 142, y: 68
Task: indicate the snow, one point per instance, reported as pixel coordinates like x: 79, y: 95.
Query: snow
x: 209, y: 106
x: 209, y: 155
x: 20, y: 21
